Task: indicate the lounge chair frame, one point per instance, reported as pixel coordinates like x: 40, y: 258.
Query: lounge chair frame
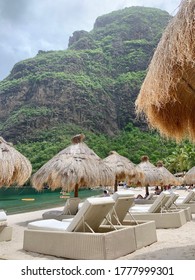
x: 164, y: 217
x: 5, y: 230
x: 99, y: 241
x: 187, y: 202
x: 70, y: 209
x: 145, y: 231
x: 73, y: 243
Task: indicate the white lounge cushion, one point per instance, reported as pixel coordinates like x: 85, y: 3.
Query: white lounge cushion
x: 190, y: 196
x: 159, y: 202
x: 50, y: 224
x: 92, y: 212
x: 118, y: 194
x: 156, y: 206
x: 3, y: 216
x: 171, y: 200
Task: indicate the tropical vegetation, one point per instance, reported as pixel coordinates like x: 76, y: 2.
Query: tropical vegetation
x: 91, y: 88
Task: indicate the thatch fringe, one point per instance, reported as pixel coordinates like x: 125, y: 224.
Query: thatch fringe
x: 75, y: 166
x: 15, y: 169
x: 123, y: 168
x: 167, y: 96
x: 189, y: 177
x: 168, y: 177
x: 152, y: 176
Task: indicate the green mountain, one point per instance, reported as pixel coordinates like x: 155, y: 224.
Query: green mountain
x: 90, y: 87
x: 92, y: 84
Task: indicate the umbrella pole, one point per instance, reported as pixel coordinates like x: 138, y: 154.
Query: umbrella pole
x: 116, y: 186
x: 147, y: 190
x: 76, y: 191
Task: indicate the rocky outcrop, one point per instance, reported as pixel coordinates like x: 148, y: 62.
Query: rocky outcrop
x: 93, y: 83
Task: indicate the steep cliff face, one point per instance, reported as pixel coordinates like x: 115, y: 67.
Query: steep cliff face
x: 93, y: 83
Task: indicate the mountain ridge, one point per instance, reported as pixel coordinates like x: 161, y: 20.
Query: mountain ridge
x: 92, y: 84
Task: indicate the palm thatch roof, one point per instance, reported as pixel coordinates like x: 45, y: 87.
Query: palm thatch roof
x: 153, y: 176
x: 123, y: 168
x: 74, y: 167
x: 167, y: 95
x: 168, y: 177
x: 189, y: 177
x: 15, y: 169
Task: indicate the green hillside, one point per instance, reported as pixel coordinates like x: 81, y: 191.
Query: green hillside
x: 90, y: 87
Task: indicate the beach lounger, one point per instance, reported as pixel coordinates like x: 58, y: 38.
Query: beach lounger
x: 145, y: 231
x: 81, y: 237
x: 187, y: 201
x: 5, y: 230
x: 155, y: 207
x: 160, y: 214
x: 170, y: 202
x: 70, y: 209
x: 148, y: 200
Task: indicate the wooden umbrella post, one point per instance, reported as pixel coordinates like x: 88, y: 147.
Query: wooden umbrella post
x: 116, y: 185
x: 76, y: 190
x: 147, y: 190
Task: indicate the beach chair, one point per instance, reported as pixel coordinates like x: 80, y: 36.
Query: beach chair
x: 187, y: 201
x: 148, y: 200
x: 170, y: 202
x: 123, y: 201
x: 70, y: 209
x: 155, y: 207
x: 171, y: 198
x: 81, y: 237
x: 160, y: 213
x: 145, y: 231
x: 5, y: 230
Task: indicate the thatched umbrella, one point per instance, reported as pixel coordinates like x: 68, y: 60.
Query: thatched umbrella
x: 15, y: 169
x: 168, y: 177
x: 74, y: 167
x: 153, y: 176
x: 167, y: 95
x: 123, y: 168
x: 189, y: 177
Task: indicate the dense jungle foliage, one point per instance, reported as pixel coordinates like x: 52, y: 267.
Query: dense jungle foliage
x: 91, y: 88
x: 131, y: 143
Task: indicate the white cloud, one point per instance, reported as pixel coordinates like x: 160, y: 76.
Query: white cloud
x: 29, y: 26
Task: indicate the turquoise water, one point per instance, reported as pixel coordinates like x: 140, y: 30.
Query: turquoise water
x: 11, y: 199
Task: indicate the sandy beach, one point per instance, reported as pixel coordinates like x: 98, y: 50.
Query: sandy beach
x: 172, y: 244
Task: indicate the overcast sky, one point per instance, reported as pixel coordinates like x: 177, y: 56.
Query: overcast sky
x: 27, y: 26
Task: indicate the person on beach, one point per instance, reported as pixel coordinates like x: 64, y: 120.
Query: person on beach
x: 106, y: 193
x: 157, y: 190
x: 139, y: 196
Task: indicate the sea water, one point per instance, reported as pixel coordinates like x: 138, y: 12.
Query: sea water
x: 26, y: 199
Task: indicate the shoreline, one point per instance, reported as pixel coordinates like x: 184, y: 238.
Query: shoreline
x: 14, y: 204
x: 172, y: 244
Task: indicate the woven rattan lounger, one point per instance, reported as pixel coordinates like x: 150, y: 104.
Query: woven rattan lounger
x: 5, y: 230
x: 81, y: 237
